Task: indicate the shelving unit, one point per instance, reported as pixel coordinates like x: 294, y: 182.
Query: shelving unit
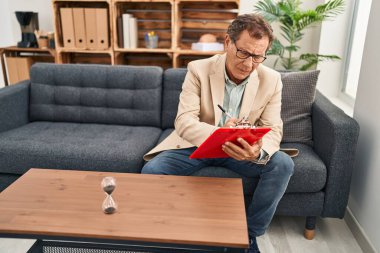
x: 178, y: 23
x: 82, y: 55
x: 34, y: 54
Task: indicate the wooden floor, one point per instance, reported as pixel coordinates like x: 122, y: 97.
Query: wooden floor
x: 283, y: 236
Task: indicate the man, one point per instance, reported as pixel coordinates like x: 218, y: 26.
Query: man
x: 245, y: 88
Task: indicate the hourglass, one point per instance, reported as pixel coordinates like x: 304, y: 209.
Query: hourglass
x: 108, y: 184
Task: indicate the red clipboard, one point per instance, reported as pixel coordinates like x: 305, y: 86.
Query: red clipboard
x: 212, y: 146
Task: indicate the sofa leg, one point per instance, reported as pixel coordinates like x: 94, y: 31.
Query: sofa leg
x: 309, y: 232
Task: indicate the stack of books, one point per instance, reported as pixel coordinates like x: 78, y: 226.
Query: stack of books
x: 127, y: 31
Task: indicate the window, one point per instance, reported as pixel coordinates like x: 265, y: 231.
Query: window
x: 356, y: 41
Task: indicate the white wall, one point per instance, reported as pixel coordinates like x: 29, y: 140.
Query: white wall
x: 6, y: 35
x: 45, y: 14
x: 365, y: 198
x: 310, y: 42
x: 10, y: 32
x: 334, y: 40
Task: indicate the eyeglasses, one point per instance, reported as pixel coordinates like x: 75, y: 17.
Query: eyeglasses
x: 241, y: 54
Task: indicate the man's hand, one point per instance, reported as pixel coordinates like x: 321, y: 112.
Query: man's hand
x: 244, y: 153
x: 231, y: 122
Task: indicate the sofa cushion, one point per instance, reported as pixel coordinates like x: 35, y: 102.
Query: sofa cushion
x: 297, y: 98
x: 165, y: 134
x: 309, y: 172
x: 298, y: 95
x: 76, y: 146
x: 173, y: 80
x: 122, y: 95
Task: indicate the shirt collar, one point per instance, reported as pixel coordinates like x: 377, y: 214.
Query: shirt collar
x: 229, y: 81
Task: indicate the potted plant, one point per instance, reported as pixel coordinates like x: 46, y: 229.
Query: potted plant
x: 293, y: 21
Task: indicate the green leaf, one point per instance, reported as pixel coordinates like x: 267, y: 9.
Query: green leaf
x: 308, y: 18
x: 268, y: 9
x: 292, y: 48
x: 276, y: 49
x: 320, y: 57
x: 292, y: 21
x: 331, y: 9
x: 313, y: 59
x: 289, y: 63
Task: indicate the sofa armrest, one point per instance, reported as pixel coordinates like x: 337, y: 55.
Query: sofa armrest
x: 14, y: 106
x: 335, y: 137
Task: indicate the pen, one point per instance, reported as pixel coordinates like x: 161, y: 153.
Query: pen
x: 224, y: 111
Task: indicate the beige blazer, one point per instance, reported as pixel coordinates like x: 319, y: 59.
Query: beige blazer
x: 203, y: 89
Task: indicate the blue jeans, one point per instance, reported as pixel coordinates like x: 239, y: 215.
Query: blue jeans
x: 274, y: 178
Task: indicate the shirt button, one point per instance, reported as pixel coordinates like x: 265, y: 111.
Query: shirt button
x: 178, y: 146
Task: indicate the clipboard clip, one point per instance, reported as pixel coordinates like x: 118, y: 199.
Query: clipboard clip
x: 243, y: 124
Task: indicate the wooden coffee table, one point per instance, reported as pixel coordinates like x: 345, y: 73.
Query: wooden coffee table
x: 62, y: 208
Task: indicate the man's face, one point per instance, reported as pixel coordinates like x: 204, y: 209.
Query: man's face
x: 239, y: 69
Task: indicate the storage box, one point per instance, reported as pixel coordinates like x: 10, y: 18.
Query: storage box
x: 18, y: 68
x: 201, y: 46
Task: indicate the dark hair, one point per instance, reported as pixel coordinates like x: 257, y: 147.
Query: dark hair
x: 255, y: 24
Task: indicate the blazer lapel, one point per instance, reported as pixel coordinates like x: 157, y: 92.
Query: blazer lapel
x: 249, y: 95
x: 217, y: 84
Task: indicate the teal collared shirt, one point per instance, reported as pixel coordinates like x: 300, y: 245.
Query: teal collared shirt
x: 233, y: 96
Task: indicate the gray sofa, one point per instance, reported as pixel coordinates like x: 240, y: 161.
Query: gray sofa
x: 105, y: 118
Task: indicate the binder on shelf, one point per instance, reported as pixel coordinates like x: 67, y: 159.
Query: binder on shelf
x: 120, y: 39
x: 67, y: 23
x: 126, y: 32
x: 79, y: 28
x: 102, y: 28
x: 90, y: 24
x: 133, y: 32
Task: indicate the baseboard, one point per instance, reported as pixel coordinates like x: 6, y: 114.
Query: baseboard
x: 358, y: 232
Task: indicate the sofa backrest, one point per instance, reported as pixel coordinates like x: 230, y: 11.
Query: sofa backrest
x: 297, y: 98
x: 173, y: 80
x: 85, y: 93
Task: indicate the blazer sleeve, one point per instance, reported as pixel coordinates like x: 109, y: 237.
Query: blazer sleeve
x: 187, y: 123
x: 271, y: 117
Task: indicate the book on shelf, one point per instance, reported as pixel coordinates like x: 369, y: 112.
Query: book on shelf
x: 120, y: 37
x: 129, y: 31
x: 133, y: 32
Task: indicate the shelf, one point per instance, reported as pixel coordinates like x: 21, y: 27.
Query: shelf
x: 178, y: 24
x: 31, y: 50
x: 195, y: 18
x: 76, y: 14
x: 163, y: 60
x: 156, y: 16
x: 144, y: 1
x: 85, y: 57
x: 210, y: 1
x: 84, y: 1
x: 22, y: 58
x: 181, y: 60
x: 86, y: 51
x: 196, y: 52
x: 144, y: 50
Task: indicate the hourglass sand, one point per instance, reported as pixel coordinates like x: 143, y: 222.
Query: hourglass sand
x: 108, y: 184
